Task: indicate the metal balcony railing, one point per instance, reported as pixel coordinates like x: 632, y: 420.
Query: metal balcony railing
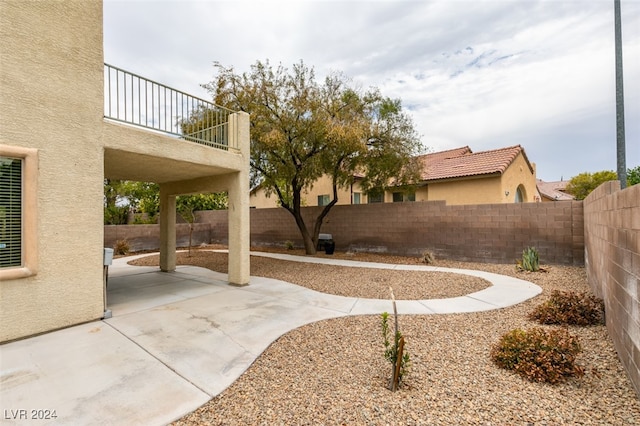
x: 132, y: 99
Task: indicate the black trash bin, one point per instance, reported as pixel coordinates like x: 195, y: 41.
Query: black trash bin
x: 322, y: 239
x: 329, y: 246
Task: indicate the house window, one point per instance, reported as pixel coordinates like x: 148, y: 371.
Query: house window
x: 399, y: 197
x: 323, y: 200
x: 376, y: 197
x: 520, y: 195
x: 10, y: 212
x: 18, y: 209
x: 356, y: 198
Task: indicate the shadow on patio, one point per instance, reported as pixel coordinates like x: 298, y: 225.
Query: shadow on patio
x: 135, y: 289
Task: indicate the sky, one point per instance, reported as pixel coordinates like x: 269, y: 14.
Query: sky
x: 483, y: 74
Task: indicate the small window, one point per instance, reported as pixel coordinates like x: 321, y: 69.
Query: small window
x: 399, y: 197
x: 520, y: 194
x: 10, y: 212
x: 376, y: 197
x: 18, y: 212
x: 323, y: 200
x: 357, y: 198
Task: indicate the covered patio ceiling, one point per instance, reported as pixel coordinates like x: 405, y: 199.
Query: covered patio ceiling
x: 125, y: 165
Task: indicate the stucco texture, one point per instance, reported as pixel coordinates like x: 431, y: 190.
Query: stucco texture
x: 51, y: 101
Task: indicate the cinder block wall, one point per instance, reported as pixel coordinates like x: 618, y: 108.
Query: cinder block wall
x: 147, y: 237
x: 485, y: 233
x: 612, y: 238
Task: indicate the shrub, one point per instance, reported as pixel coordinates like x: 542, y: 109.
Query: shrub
x: 289, y: 245
x: 530, y: 261
x: 144, y: 219
x: 122, y: 247
x: 115, y: 215
x: 394, y: 350
x: 427, y: 257
x: 539, y: 355
x: 570, y: 308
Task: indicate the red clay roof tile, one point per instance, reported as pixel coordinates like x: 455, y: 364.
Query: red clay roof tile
x: 461, y: 162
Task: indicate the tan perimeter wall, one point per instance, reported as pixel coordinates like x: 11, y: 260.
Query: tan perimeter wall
x: 490, y: 232
x: 147, y: 237
x: 494, y: 233
x: 485, y: 233
x: 612, y: 237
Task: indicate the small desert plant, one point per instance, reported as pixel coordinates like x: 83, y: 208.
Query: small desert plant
x: 121, y: 247
x: 427, y: 257
x: 569, y: 308
x: 394, y: 351
x: 530, y: 261
x: 539, y: 355
x: 289, y: 245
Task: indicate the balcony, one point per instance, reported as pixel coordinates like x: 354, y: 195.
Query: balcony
x: 138, y: 101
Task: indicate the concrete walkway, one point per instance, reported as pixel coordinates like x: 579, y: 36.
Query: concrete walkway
x: 178, y: 339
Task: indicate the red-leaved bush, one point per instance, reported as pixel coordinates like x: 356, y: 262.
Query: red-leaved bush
x: 539, y: 355
x: 570, y: 308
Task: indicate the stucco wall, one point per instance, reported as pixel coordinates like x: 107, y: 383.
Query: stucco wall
x: 612, y: 238
x: 485, y: 189
x: 322, y: 186
x: 487, y: 233
x: 519, y: 174
x: 51, y: 101
x: 467, y: 191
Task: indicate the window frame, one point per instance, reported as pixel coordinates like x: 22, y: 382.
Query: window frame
x: 375, y: 197
x: 29, y: 248
x: 323, y: 200
x: 520, y: 194
x: 404, y: 197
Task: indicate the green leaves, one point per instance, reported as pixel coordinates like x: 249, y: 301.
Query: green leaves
x: 633, y: 176
x: 121, y: 196
x: 580, y: 186
x: 391, y: 350
x: 303, y: 129
x: 530, y: 261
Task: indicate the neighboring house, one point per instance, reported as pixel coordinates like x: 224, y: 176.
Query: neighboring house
x: 460, y: 176
x: 457, y: 176
x: 554, y: 191
x: 319, y: 195
x: 67, y: 122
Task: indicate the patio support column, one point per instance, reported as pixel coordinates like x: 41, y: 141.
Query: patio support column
x: 239, y: 218
x: 167, y: 231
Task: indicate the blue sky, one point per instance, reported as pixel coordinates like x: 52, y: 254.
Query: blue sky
x: 487, y: 74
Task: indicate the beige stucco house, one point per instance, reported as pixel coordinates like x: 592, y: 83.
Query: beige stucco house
x: 461, y: 176
x: 67, y: 122
x: 458, y: 176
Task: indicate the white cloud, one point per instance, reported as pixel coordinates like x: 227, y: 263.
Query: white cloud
x: 481, y: 73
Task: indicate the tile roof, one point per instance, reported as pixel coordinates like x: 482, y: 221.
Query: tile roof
x: 554, y: 190
x: 462, y: 162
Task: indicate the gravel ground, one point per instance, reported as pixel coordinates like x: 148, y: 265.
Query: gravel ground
x: 333, y: 372
x: 341, y: 280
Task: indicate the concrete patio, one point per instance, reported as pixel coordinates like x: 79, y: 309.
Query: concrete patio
x: 177, y: 339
